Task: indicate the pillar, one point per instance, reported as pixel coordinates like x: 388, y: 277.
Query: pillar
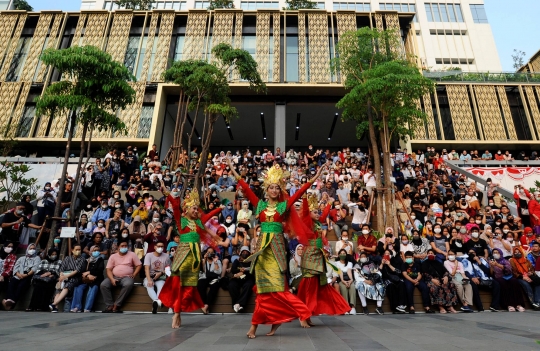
x: 279, y: 125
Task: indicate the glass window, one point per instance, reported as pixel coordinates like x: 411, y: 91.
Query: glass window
x: 131, y: 53
x: 451, y: 13
x: 382, y: 6
x: 444, y: 13
x: 84, y: 6
x: 19, y: 57
x: 479, y: 14
x: 179, y: 48
x: 459, y: 14
x: 107, y: 5
x: 25, y: 123
x: 249, y: 44
x: 292, y: 59
x: 428, y: 13
x: 4, y: 4
x: 436, y: 12
x: 145, y: 122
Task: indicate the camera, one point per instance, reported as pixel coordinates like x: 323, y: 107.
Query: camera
x: 211, y: 256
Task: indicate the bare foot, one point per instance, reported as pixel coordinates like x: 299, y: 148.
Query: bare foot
x: 311, y: 324
x: 176, y: 321
x: 273, y: 330
x: 304, y: 324
x: 205, y: 309
x: 251, y: 333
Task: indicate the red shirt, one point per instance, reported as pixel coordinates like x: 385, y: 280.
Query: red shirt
x: 368, y: 241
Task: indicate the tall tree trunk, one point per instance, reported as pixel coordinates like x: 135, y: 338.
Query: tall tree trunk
x: 190, y: 137
x: 376, y: 168
x: 177, y: 129
x: 178, y: 146
x: 212, y: 118
x: 58, y: 207
x: 387, y: 173
x: 77, y: 184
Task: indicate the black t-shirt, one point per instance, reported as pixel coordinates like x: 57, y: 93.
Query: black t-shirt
x: 411, y: 270
x: 12, y: 233
x: 478, y: 246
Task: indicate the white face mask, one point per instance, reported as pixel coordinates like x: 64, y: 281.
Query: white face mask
x: 155, y: 219
x: 505, y: 231
x: 365, y: 231
x: 496, y: 256
x: 100, y: 225
x: 228, y: 220
x: 125, y: 235
x: 363, y: 259
x: 474, y: 235
x: 478, y: 222
x: 437, y: 230
x: 31, y: 252
x: 8, y: 249
x: 413, y: 217
x: 451, y: 257
x: 159, y: 250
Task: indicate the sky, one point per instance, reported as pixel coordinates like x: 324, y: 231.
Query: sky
x: 515, y: 24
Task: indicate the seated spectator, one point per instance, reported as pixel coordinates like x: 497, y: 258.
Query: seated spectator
x: 128, y: 219
x: 524, y: 271
x: 70, y: 275
x: 122, y: 268
x: 154, y: 268
x: 114, y: 224
x: 25, y: 267
x: 388, y: 242
x: 412, y: 274
x: 477, y: 270
x: 369, y: 283
x: 344, y: 243
x: 420, y: 245
x: 479, y: 246
x: 442, y: 290
x: 153, y: 238
x: 208, y: 284
x: 103, y: 212
x: 244, y: 215
x: 439, y: 244
x: 511, y: 295
x: 44, y: 281
x: 404, y: 246
x: 156, y: 217
x: 295, y: 270
x: 7, y: 262
x: 460, y: 280
x: 360, y: 216
x: 346, y: 284
x: 92, y: 276
x: 534, y: 254
x: 240, y: 240
x: 137, y: 229
x: 367, y: 241
x: 395, y: 287
x: 96, y: 240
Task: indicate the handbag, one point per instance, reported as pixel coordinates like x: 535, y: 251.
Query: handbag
x: 85, y: 278
x: 46, y: 280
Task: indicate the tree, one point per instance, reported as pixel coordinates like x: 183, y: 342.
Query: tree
x: 300, y: 5
x: 96, y: 87
x: 204, y: 87
x: 519, y: 59
x: 221, y: 4
x: 14, y: 184
x: 22, y: 5
x: 136, y: 4
x: 7, y: 140
x: 384, y: 90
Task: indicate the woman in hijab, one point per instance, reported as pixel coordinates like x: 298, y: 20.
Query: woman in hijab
x: 421, y: 246
x: 228, y: 211
x: 25, y: 267
x: 523, y: 270
x: 7, y: 262
x: 439, y: 282
x: 44, y: 281
x: 501, y: 271
x: 395, y: 287
x: 244, y: 215
x: 70, y: 275
x: 295, y: 269
x: 92, y: 277
x: 369, y: 283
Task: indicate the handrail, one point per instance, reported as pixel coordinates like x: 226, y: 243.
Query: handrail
x: 493, y: 163
x: 408, y: 214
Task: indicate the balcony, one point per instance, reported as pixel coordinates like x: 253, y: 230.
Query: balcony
x: 483, y: 77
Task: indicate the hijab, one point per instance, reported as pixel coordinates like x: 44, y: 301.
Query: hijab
x: 297, y: 257
x: 93, y: 259
x: 521, y: 263
x: 501, y: 260
x: 228, y: 212
x: 50, y: 252
x: 30, y: 247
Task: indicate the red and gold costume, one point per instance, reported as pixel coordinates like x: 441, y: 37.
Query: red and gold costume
x: 274, y: 304
x: 180, y: 289
x: 314, y: 290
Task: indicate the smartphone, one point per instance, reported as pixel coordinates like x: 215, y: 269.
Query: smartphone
x: 386, y: 257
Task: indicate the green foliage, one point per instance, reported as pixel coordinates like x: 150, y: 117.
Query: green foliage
x: 136, y: 4
x: 221, y: 4
x: 95, y: 87
x: 300, y: 5
x: 375, y: 70
x: 7, y: 140
x: 519, y: 59
x: 14, y: 184
x: 22, y: 5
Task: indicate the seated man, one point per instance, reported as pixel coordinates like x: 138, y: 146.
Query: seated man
x: 477, y: 269
x: 154, y: 268
x: 122, y: 268
x: 412, y: 277
x: 241, y: 284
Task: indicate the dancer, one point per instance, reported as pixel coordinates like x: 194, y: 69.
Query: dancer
x: 314, y: 290
x: 274, y: 303
x: 180, y: 289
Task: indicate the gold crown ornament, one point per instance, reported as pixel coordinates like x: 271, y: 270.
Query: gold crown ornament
x: 192, y: 199
x: 274, y: 176
x: 313, y: 202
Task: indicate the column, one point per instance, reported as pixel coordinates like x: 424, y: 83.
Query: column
x: 279, y: 131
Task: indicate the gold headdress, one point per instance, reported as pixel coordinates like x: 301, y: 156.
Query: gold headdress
x: 192, y: 199
x: 313, y: 202
x: 274, y: 176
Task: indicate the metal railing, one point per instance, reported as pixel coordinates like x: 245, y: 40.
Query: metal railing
x: 483, y: 77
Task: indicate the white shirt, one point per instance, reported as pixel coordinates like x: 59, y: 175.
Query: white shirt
x: 370, y: 181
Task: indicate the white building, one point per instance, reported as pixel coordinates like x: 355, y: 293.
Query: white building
x: 451, y: 33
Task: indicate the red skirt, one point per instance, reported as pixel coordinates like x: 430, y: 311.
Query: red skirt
x: 278, y: 307
x: 321, y: 299
x: 180, y: 298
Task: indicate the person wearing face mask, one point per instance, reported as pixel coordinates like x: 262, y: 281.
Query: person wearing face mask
x: 44, y: 281
x: 7, y: 262
x: 122, y: 268
x: 154, y: 237
x: 524, y: 272
x: 113, y: 225
x: 522, y: 196
x: 156, y: 220
x: 244, y: 215
x: 478, y: 245
x: 132, y: 195
x: 460, y: 280
x: 141, y: 211
x: 46, y: 201
x: 439, y: 243
x: 442, y: 290
x: 367, y: 241
x: 70, y: 275
x: 534, y: 209
x: 13, y: 223
x: 511, y: 292
x: 242, y: 281
x: 412, y: 276
x: 500, y: 241
x: 478, y: 271
x: 369, y: 283
x: 344, y: 243
x: 23, y: 270
x: 154, y: 268
x: 103, y: 212
x: 240, y: 239
x: 172, y: 200
x: 228, y: 213
x: 91, y: 278
x: 420, y: 246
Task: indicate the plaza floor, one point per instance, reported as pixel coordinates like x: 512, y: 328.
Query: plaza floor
x: 143, y: 331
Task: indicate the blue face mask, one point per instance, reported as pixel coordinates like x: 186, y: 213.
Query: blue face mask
x: 409, y: 260
x: 96, y: 254
x: 124, y: 250
x: 57, y: 241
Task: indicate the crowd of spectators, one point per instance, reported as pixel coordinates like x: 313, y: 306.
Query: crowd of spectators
x: 452, y: 237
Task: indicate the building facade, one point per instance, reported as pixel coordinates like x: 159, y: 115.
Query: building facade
x: 293, y: 50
